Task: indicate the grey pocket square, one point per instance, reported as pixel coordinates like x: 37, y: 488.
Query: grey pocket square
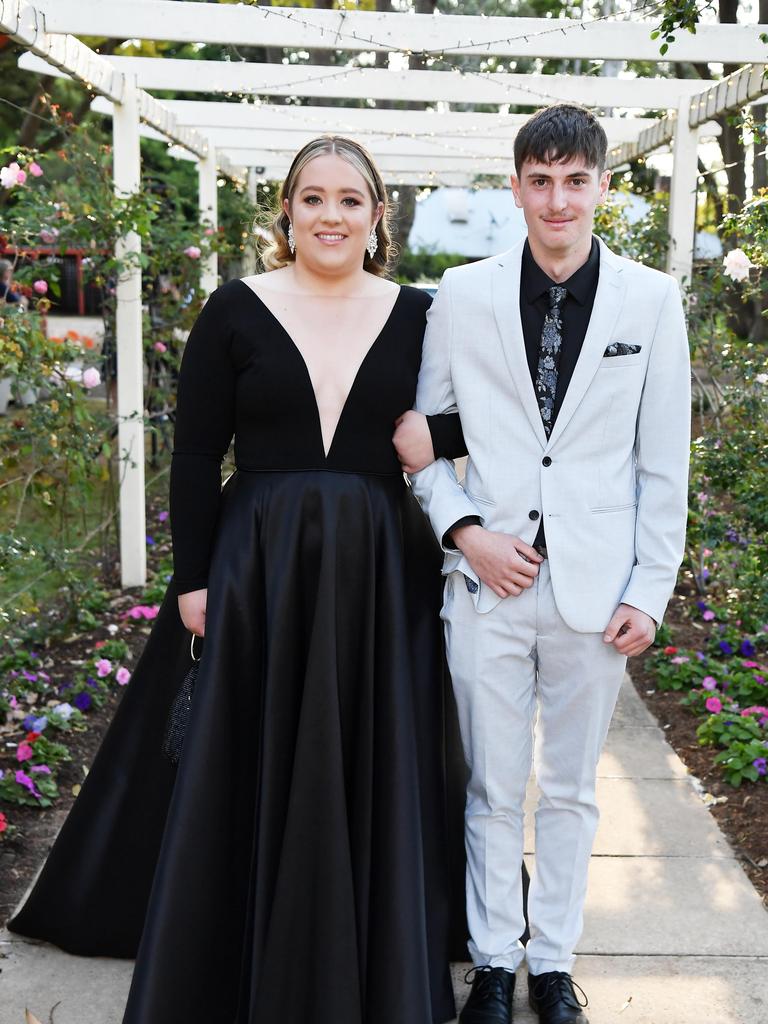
x: 621, y: 348
x: 472, y: 587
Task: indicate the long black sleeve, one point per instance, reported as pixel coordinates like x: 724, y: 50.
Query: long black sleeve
x: 447, y: 436
x: 205, y: 416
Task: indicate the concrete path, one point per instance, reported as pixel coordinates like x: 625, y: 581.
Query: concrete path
x: 674, y: 932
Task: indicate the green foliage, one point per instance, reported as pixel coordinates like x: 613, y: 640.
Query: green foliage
x: 644, y: 240
x: 426, y: 266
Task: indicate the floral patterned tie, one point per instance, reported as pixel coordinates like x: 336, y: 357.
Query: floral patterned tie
x: 549, y: 357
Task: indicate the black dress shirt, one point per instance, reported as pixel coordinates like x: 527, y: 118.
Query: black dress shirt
x: 576, y: 312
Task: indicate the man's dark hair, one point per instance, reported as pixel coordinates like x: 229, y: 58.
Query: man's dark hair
x: 561, y: 132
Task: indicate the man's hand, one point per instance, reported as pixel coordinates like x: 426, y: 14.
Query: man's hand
x: 413, y: 441
x: 504, y: 563
x: 630, y: 631
x: 192, y: 610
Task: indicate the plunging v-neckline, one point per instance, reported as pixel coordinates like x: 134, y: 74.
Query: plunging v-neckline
x: 308, y: 375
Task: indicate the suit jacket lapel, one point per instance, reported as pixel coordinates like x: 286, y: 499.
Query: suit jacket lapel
x: 608, y: 299
x: 506, y: 308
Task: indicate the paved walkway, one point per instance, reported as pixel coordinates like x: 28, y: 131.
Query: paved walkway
x: 674, y: 934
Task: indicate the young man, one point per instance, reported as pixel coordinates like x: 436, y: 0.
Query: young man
x: 569, y: 368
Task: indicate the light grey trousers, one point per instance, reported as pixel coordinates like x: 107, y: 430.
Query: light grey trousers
x: 518, y: 672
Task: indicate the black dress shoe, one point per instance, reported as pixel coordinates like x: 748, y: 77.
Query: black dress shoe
x: 490, y: 1001
x: 552, y: 995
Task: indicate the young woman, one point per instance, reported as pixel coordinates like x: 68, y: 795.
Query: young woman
x: 294, y: 870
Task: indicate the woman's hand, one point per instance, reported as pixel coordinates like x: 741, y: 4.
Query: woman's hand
x: 413, y: 441
x: 192, y: 610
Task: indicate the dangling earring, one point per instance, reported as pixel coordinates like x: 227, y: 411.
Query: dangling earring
x: 291, y: 239
x: 373, y: 243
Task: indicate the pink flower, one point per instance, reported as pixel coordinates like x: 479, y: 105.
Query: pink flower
x: 41, y: 768
x: 122, y: 676
x: 143, y: 611
x: 162, y: 516
x: 24, y: 751
x: 193, y: 252
x: 91, y: 378
x: 160, y: 347
x: 709, y: 683
x: 750, y: 664
x: 209, y: 232
x: 48, y: 235
x: 103, y: 667
x: 12, y: 175
x: 679, y: 660
x: 41, y: 287
x: 713, y: 704
x: 35, y: 170
x: 708, y: 615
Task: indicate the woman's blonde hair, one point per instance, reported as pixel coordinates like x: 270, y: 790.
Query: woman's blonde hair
x: 277, y: 253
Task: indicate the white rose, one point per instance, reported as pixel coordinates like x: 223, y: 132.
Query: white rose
x: 737, y: 265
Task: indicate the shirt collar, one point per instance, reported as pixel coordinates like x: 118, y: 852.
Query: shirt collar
x: 580, y: 284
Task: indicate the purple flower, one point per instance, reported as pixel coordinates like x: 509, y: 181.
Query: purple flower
x: 162, y: 516
x: 708, y: 615
x: 760, y: 764
x: 702, y: 606
x: 24, y: 780
x: 41, y: 768
x: 28, y: 723
x: 709, y: 683
x: 83, y: 701
x: 90, y: 681
x: 31, y: 677
x: 725, y: 647
x: 747, y: 648
x: 701, y: 655
x: 150, y: 541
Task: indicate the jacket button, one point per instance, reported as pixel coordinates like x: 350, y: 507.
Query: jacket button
x: 533, y: 514
x: 546, y: 461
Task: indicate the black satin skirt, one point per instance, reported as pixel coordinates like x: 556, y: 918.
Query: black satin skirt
x: 304, y: 863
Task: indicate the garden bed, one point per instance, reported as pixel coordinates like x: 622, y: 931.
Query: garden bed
x: 742, y: 814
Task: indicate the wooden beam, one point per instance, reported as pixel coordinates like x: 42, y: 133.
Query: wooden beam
x: 299, y: 28
x: 25, y: 24
x: 737, y: 90
x: 381, y: 84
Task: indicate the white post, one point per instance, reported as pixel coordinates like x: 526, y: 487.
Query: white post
x: 130, y: 356
x: 682, y: 197
x: 209, y: 214
x: 251, y: 257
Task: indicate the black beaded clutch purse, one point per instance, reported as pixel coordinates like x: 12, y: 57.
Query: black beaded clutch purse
x: 178, y: 716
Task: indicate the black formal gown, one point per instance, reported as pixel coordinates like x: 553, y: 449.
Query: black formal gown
x: 295, y: 869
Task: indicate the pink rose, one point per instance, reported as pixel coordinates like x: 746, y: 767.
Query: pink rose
x: 714, y: 704
x: 12, y: 175
x: 160, y: 347
x: 193, y: 252
x: 91, y: 378
x: 41, y: 287
x: 35, y: 170
x: 122, y: 676
x: 103, y: 667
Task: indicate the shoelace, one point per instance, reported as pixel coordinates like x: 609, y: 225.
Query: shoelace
x: 561, y: 980
x: 489, y: 979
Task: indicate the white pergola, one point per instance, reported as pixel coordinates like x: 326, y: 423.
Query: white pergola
x: 255, y: 139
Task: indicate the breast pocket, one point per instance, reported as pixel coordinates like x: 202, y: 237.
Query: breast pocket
x: 621, y: 362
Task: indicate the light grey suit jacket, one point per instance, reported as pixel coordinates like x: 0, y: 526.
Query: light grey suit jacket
x: 614, y: 497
